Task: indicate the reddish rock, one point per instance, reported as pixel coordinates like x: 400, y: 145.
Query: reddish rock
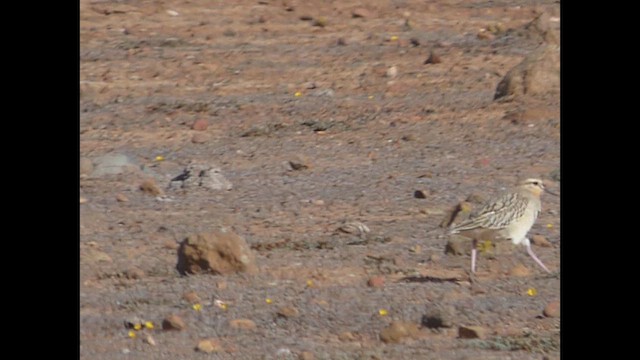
x: 519, y: 271
x: 361, y: 13
x: 243, y: 324
x: 376, y: 281
x: 540, y: 240
x: 200, y: 125
x: 472, y: 332
x: 552, y: 309
x: 173, y: 322
x: 397, y: 331
x: 219, y: 252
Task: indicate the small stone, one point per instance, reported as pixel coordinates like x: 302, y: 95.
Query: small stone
x: 472, y: 332
x: 173, y: 322
x: 421, y: 194
x: 540, y: 240
x: 360, y: 13
x: 173, y: 13
x: 307, y: 355
x: 94, y: 255
x: 299, y: 162
x: 376, y: 282
x: 485, y: 35
x: 341, y: 42
x: 288, y: 312
x: 433, y: 59
x: 149, y: 340
x: 519, y: 271
x: 209, y: 346
x: 346, y: 336
x: 439, y: 316
x: 435, y: 258
x: 86, y: 166
x: 306, y: 17
x: 221, y: 285
x: 191, y: 297
x: 199, y: 138
x: 83, y: 200
x: 134, y: 273
x: 122, y: 198
x: 414, y: 42
x: 552, y: 309
x: 149, y: 186
x: 320, y: 21
x: 458, y: 245
x: 392, y: 72
x: 200, y: 125
x: 243, y: 324
x: 397, y: 331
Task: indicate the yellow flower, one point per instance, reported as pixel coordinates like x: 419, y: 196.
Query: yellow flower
x: 383, y: 312
x: 532, y: 292
x: 549, y: 226
x: 310, y: 283
x: 297, y: 94
x: 159, y: 158
x: 370, y: 97
x: 132, y: 334
x: 268, y: 301
x: 137, y: 326
x: 394, y: 38
x: 197, y: 307
x: 485, y: 246
x: 148, y: 325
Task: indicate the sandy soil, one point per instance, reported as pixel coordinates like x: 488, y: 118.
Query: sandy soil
x: 352, y: 98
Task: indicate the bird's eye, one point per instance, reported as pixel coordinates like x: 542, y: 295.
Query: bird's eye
x: 536, y: 183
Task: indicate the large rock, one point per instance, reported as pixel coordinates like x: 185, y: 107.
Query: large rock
x: 219, y: 252
x: 537, y: 74
x: 203, y: 175
x: 113, y: 164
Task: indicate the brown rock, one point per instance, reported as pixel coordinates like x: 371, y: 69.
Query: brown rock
x: 93, y: 256
x: 458, y: 245
x: 472, y: 332
x: 122, y: 198
x: 360, y: 13
x: 397, y: 331
x: 200, y: 125
x: 243, y: 324
x: 537, y: 74
x: 552, y: 309
x: 191, y: 297
x: 392, y: 72
x: 83, y: 200
x: 134, y: 273
x: 288, y: 312
x: 346, y: 336
x: 376, y: 281
x: 320, y: 21
x: 149, y: 186
x: 219, y: 252
x: 433, y: 58
x: 86, y: 166
x: 199, y: 138
x: 519, y: 271
x: 209, y: 346
x: 540, y: 240
x: 307, y: 355
x: 173, y: 322
x: 421, y: 194
x: 439, y: 316
x: 299, y: 162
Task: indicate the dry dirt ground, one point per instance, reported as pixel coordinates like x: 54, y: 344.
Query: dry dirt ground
x: 351, y: 97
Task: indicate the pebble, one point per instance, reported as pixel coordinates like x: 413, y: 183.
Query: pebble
x: 199, y: 138
x: 552, y: 309
x: 149, y: 340
x: 149, y: 186
x: 421, y: 194
x: 209, y: 346
x: 360, y: 13
x: 243, y: 324
x: 519, y: 271
x: 392, y: 72
x: 376, y: 282
x: 191, y: 297
x: 83, y: 200
x: 134, y: 273
x: 540, y: 240
x: 288, y: 312
x: 433, y: 59
x: 346, y: 336
x: 122, y: 198
x: 173, y: 322
x: 472, y: 332
x: 397, y: 331
x: 200, y: 125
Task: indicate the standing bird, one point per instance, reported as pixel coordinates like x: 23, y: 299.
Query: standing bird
x: 509, y: 216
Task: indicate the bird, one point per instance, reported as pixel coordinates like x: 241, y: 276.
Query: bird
x: 509, y: 216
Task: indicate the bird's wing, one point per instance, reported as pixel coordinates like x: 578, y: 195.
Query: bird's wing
x: 496, y: 214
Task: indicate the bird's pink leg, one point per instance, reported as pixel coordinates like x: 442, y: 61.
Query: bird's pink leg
x: 473, y: 256
x: 535, y: 257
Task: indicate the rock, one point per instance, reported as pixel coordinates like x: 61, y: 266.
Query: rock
x: 204, y: 175
x: 439, y: 316
x: 540, y: 240
x: 150, y: 187
x: 83, y: 200
x: 288, y: 312
x: 306, y: 355
x: 150, y: 340
x: 392, y: 72
x: 346, y: 336
x: 134, y: 273
x: 320, y: 21
x: 200, y: 125
x: 173, y: 322
x: 299, y: 162
x: 209, y: 346
x: 219, y: 252
x: 121, y: 198
x: 243, y: 324
x: 415, y: 42
x: 341, y: 42
x: 86, y: 166
x: 397, y: 331
x: 199, y: 138
x: 421, y: 194
x: 376, y: 281
x: 483, y: 34
x: 519, y: 271
x: 360, y: 13
x: 552, y: 309
x: 433, y: 58
x: 472, y: 332
x: 93, y: 256
x: 112, y: 164
x: 537, y: 74
x: 191, y: 297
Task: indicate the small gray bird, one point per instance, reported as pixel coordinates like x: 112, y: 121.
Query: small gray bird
x: 509, y: 216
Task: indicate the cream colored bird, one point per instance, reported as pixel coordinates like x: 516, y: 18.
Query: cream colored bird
x: 509, y: 216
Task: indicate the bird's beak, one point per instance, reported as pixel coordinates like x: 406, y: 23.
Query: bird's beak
x: 550, y: 192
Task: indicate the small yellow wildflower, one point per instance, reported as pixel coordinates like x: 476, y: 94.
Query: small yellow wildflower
x: 549, y: 226
x: 297, y: 94
x: 197, y: 307
x: 485, y: 246
x: 159, y: 158
x: 137, y: 326
x: 310, y: 283
x: 268, y: 301
x: 394, y: 38
x: 383, y: 312
x: 148, y: 325
x: 370, y: 97
x: 132, y: 334
x: 532, y: 292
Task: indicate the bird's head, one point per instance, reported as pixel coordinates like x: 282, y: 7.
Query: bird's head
x: 535, y: 186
